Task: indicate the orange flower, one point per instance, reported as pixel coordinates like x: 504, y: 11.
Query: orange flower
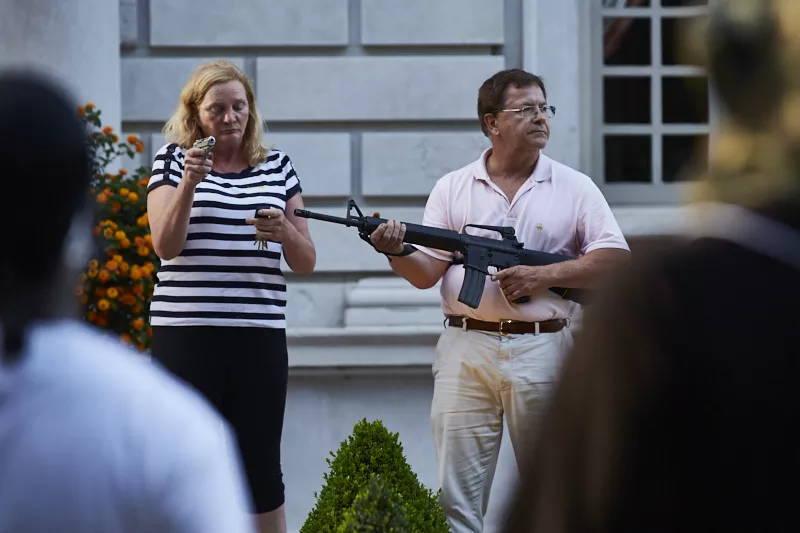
x: 101, y: 198
x: 91, y: 315
x: 133, y: 197
x: 100, y: 292
x: 137, y: 309
x: 138, y: 323
x: 101, y: 321
x: 136, y: 273
x: 128, y: 299
x: 90, y: 105
x: 122, y: 172
x: 108, y: 130
x: 96, y: 231
x: 93, y: 263
x: 112, y: 265
x: 125, y: 338
x: 108, y: 233
x: 139, y: 147
x: 143, y: 251
x: 114, y: 137
x: 133, y: 139
x: 124, y: 192
x: 124, y: 267
x: 104, y: 276
x: 112, y: 293
x: 81, y: 111
x: 116, y: 206
x: 103, y: 304
x: 117, y: 258
x: 148, y: 239
x: 142, y: 220
x: 119, y: 234
x: 125, y: 243
x: 138, y: 290
x: 148, y: 268
x: 92, y: 272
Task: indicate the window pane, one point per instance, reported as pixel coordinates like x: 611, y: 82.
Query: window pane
x: 683, y: 155
x: 685, y: 100
x: 672, y: 35
x: 626, y: 100
x: 683, y: 3
x: 625, y: 3
x: 626, y: 41
x: 628, y: 159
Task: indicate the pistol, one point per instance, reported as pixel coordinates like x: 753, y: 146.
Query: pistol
x: 207, y: 143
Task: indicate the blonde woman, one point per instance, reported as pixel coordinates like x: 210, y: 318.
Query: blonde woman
x: 218, y: 308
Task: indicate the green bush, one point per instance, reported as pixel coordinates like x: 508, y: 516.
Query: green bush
x: 372, y: 450
x: 375, y: 510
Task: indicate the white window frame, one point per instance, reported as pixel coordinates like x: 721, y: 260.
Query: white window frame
x: 656, y: 191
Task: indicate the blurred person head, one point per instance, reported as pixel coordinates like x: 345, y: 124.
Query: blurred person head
x: 218, y: 100
x: 752, y: 52
x: 513, y: 110
x: 43, y: 145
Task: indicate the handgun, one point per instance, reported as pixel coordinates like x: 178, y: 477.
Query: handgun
x: 207, y: 143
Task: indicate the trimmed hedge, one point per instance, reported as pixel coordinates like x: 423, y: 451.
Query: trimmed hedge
x: 371, y: 450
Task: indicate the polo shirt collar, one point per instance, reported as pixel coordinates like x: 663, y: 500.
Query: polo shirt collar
x: 542, y: 172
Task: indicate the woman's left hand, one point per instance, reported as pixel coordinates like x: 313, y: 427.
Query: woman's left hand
x: 271, y: 225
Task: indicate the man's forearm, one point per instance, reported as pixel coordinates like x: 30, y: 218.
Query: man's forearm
x: 586, y: 271
x: 418, y: 268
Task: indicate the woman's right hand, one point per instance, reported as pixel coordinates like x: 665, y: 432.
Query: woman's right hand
x: 196, y: 166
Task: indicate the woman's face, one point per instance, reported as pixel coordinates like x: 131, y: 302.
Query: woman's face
x: 224, y: 112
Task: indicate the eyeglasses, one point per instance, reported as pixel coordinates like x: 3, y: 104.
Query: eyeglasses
x: 530, y: 111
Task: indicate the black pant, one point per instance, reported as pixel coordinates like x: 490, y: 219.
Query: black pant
x: 243, y: 372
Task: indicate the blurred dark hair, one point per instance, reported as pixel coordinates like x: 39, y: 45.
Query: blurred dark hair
x: 744, y: 59
x: 44, y: 149
x: 492, y: 94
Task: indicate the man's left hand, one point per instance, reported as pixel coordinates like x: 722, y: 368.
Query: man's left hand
x: 520, y: 280
x: 271, y: 224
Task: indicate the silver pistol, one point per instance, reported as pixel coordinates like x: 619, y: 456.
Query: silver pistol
x: 207, y: 144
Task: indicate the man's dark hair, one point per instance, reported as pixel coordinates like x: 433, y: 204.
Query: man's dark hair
x: 492, y: 94
x: 44, y: 150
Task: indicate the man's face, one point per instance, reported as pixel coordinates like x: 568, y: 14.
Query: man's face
x: 527, y: 129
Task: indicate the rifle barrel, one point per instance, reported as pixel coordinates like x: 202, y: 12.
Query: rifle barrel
x: 326, y: 218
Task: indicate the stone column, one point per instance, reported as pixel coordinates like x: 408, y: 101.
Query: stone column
x: 74, y: 41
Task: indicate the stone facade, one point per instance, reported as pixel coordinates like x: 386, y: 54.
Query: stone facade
x: 373, y: 100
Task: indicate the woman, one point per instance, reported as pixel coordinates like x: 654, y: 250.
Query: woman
x: 218, y: 307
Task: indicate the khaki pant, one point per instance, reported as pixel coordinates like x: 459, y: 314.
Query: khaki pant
x: 479, y: 378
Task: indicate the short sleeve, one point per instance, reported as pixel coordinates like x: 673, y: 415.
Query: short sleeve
x: 167, y: 167
x: 290, y: 177
x: 597, y: 226
x: 437, y: 215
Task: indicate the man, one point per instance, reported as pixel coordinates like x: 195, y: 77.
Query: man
x: 678, y: 408
x: 92, y: 437
x: 502, y: 358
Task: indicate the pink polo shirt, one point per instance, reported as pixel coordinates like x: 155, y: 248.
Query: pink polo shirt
x: 557, y: 210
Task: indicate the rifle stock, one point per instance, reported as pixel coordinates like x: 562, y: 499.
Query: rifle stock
x: 479, y: 252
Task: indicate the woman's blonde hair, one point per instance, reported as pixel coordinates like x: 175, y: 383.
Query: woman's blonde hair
x: 183, y: 127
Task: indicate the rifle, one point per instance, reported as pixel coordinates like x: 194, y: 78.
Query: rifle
x: 479, y: 252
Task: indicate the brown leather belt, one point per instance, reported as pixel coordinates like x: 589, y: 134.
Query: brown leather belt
x: 507, y: 326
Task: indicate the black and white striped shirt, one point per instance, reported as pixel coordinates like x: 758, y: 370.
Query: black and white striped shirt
x: 221, y: 278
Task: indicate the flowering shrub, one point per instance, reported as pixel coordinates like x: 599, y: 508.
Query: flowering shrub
x: 116, y: 287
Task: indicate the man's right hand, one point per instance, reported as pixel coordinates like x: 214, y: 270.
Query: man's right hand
x: 388, y: 237
x: 196, y: 166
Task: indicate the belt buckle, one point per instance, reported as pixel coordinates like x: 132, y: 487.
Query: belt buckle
x: 501, y: 326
